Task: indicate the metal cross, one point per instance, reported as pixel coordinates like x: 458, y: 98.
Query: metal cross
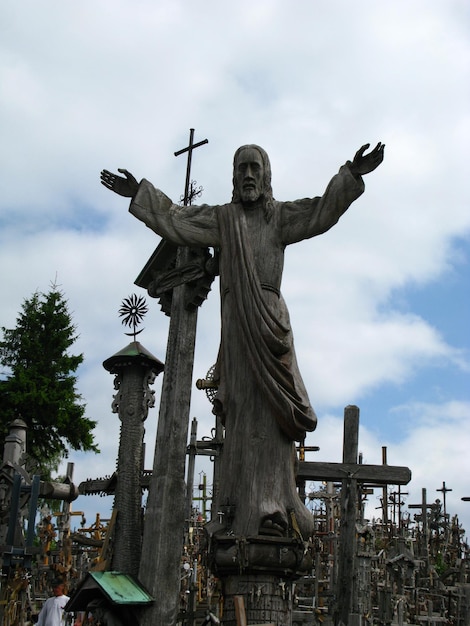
x: 189, y: 150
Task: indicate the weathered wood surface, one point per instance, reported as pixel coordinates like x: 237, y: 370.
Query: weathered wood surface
x: 240, y: 613
x: 262, y: 600
x: 108, y: 485
x: 165, y: 514
x: 370, y: 474
x: 261, y: 397
x: 263, y: 408
x: 349, y: 512
x: 128, y: 497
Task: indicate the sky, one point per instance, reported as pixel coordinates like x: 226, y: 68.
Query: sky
x: 379, y: 305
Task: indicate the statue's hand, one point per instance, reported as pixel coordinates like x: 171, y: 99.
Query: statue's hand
x: 365, y: 163
x: 126, y: 185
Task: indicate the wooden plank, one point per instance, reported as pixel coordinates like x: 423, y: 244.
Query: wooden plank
x: 375, y: 474
x: 240, y: 613
x: 106, y: 554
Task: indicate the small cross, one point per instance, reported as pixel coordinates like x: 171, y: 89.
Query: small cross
x: 444, y: 490
x: 189, y: 149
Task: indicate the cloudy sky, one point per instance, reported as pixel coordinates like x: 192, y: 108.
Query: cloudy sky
x: 379, y: 305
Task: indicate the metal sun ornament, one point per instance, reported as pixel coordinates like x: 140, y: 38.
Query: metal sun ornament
x: 132, y: 311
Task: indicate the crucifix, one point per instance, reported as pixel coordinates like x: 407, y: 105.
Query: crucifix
x: 166, y: 512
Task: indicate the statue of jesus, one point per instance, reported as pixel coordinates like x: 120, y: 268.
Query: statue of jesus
x: 261, y: 398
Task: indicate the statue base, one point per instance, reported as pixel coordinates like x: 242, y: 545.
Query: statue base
x: 264, y: 599
x: 258, y: 576
x: 286, y: 557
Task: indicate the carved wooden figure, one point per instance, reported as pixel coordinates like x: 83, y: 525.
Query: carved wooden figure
x: 258, y: 540
x: 261, y: 397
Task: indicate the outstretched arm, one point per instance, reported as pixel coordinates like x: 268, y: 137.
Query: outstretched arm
x: 366, y: 163
x: 126, y: 185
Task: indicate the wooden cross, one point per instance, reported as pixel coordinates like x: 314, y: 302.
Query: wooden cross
x: 395, y: 498
x: 350, y: 473
x: 444, y: 490
x: 166, y: 511
x: 423, y: 506
x: 372, y: 475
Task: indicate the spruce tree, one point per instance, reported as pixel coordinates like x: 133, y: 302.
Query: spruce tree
x: 40, y: 382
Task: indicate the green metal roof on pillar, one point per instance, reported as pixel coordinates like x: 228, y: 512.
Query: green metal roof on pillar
x: 133, y: 353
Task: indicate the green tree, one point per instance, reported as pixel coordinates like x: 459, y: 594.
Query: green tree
x: 40, y: 386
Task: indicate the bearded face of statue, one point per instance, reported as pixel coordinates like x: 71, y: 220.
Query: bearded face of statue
x: 249, y: 175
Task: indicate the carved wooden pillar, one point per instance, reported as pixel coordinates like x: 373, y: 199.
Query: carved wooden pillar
x: 135, y: 369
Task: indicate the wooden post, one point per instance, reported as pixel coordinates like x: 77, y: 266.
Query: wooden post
x: 424, y: 506
x: 166, y: 511
x: 240, y: 613
x: 444, y: 490
x: 192, y: 451
x: 347, y: 540
x: 384, y: 492
x: 166, y: 506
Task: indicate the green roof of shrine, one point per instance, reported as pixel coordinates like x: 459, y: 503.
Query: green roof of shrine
x: 116, y: 587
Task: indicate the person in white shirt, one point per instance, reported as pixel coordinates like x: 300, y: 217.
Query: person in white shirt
x: 52, y: 612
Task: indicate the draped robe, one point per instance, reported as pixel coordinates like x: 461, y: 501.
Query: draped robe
x: 261, y: 397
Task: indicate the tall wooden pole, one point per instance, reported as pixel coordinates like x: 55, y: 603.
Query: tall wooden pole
x: 165, y: 513
x: 347, y: 546
x: 384, y: 492
x: 166, y: 506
